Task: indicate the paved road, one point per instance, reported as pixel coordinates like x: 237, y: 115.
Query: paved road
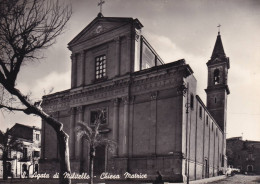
x: 239, y: 179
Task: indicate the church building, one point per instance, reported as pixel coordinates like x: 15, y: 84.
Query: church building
x: 152, y: 109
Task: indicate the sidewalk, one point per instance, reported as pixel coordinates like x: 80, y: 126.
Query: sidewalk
x: 205, y: 180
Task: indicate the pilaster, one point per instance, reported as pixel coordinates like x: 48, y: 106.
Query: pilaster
x: 125, y: 125
x: 131, y: 122
x: 82, y: 59
x: 79, y: 142
x: 73, y: 58
x: 115, y: 123
x: 153, y: 127
x: 72, y: 132
x: 128, y: 51
x: 117, y: 61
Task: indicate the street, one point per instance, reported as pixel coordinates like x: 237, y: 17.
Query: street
x: 239, y: 178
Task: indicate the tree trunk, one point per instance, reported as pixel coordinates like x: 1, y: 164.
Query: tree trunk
x: 62, y: 137
x: 4, y: 167
x: 91, y: 165
x: 63, y: 142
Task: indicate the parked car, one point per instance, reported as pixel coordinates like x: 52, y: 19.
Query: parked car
x: 232, y: 171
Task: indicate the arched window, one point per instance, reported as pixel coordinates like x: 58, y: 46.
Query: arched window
x: 216, y: 76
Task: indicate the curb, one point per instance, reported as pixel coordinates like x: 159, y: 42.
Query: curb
x: 206, y: 180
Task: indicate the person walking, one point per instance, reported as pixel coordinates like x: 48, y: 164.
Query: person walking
x: 158, y: 179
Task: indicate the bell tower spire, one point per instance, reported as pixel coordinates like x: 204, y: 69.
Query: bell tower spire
x: 217, y: 89
x: 218, y: 51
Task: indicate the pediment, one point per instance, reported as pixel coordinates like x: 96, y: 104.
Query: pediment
x: 98, y: 26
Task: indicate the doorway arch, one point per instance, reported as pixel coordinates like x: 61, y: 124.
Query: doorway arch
x: 249, y: 168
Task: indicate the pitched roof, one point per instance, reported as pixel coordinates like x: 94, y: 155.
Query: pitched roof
x: 23, y: 131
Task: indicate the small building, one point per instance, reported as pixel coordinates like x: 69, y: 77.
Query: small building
x: 24, y: 162
x: 244, y: 155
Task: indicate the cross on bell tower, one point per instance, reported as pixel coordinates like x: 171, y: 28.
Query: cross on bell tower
x: 219, y: 29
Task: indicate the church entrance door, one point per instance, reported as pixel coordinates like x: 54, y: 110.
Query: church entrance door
x: 99, y: 160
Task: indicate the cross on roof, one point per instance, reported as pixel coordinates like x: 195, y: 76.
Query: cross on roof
x: 101, y: 2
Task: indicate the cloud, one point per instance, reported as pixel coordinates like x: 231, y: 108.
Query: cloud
x: 58, y: 81
x: 171, y: 52
x: 165, y: 47
x: 240, y: 79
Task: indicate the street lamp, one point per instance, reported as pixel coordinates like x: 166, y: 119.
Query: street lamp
x: 184, y: 89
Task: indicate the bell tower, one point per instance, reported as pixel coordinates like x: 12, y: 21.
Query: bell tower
x: 218, y: 89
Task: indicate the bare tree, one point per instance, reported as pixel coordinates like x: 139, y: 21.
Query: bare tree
x: 94, y: 138
x: 26, y: 28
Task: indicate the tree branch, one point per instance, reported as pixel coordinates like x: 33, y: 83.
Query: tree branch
x: 11, y: 108
x: 6, y: 72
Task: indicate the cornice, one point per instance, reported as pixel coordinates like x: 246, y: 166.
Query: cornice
x: 118, y: 87
x: 218, y: 87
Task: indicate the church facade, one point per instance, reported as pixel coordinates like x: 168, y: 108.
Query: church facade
x: 152, y: 109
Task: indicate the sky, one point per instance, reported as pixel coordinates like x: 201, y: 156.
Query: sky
x: 176, y: 29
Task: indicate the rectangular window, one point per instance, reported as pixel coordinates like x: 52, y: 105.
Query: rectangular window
x: 100, y: 67
x: 24, y: 152
x: 207, y: 120
x: 36, y: 154
x: 200, y: 112
x: 37, y: 137
x: 250, y: 156
x: 94, y: 114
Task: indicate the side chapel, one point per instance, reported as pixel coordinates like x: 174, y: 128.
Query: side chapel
x: 152, y: 108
